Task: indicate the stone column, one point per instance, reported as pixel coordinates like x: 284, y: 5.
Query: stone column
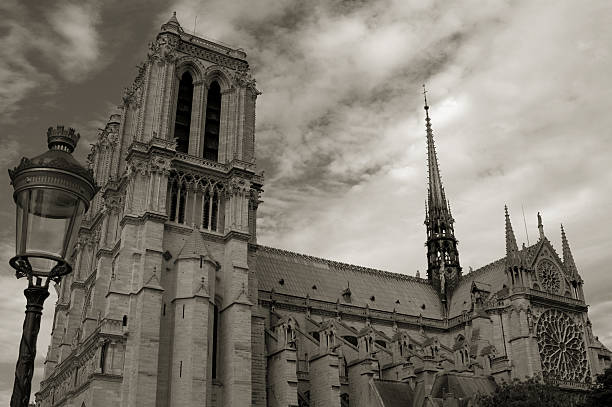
x: 282, y: 378
x: 360, y: 375
x: 325, y: 380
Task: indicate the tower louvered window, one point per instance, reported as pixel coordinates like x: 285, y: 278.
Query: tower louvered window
x: 213, y: 122
x: 183, y: 113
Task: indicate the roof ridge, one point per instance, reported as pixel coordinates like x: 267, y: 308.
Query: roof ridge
x: 488, y: 266
x: 345, y: 266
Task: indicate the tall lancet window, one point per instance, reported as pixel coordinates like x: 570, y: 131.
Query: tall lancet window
x: 183, y: 113
x: 213, y: 121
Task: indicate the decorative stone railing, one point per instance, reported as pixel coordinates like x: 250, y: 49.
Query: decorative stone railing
x: 216, y: 46
x: 555, y: 297
x: 111, y: 327
x: 546, y: 295
x: 200, y: 162
x: 332, y: 309
x: 569, y: 385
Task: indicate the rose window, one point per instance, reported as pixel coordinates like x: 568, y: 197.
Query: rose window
x: 549, y: 276
x: 561, y: 346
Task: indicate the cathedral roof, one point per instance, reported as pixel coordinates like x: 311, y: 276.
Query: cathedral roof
x: 492, y: 276
x: 394, y: 393
x: 195, y: 248
x: 461, y: 385
x: 300, y: 275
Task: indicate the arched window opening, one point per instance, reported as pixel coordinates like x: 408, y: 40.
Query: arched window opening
x: 381, y: 343
x: 210, y: 210
x: 215, y: 211
x: 181, y: 205
x: 183, y: 113
x: 350, y: 339
x: 206, y: 209
x: 176, y: 196
x: 103, y: 352
x: 173, y: 200
x: 213, y: 122
x: 344, y: 400
x: 215, y: 348
x: 124, y: 321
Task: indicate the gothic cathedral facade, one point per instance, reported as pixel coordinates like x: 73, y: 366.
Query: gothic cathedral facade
x: 173, y: 303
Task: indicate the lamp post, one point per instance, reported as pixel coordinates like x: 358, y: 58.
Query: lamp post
x: 52, y: 192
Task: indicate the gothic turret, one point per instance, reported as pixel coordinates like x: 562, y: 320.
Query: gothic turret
x: 513, y: 257
x: 515, y: 264
x: 568, y: 259
x: 443, y: 269
x: 570, y: 267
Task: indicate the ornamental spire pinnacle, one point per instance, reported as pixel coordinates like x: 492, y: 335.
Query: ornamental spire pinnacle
x: 437, y: 198
x: 512, y: 252
x: 568, y: 259
x: 172, y: 25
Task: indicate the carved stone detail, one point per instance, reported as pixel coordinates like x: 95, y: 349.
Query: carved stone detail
x: 163, y: 48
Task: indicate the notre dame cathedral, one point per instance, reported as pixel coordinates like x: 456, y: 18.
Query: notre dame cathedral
x: 174, y: 303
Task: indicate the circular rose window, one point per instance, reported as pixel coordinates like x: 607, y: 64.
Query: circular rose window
x: 548, y: 275
x: 561, y: 346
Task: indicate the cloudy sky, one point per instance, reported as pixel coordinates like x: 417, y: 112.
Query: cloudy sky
x: 520, y: 94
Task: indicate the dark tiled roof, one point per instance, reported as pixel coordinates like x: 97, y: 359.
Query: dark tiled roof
x: 461, y: 385
x: 394, y: 394
x: 492, y: 274
x: 300, y: 273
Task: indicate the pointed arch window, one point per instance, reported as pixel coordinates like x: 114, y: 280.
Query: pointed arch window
x: 183, y: 113
x: 213, y: 122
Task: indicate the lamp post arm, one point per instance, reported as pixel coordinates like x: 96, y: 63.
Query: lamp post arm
x: 36, y: 294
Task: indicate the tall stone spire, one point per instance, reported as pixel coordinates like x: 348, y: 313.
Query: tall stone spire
x: 436, y: 196
x: 568, y: 259
x: 443, y: 269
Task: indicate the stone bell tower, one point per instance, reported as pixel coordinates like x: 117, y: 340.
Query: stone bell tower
x: 159, y: 306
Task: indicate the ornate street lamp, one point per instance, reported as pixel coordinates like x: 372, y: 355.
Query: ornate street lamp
x: 52, y: 192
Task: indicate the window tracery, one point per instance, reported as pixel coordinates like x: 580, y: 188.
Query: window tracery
x: 561, y: 346
x: 548, y: 275
x: 195, y: 200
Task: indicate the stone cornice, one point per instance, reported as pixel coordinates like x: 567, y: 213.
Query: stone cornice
x: 238, y: 235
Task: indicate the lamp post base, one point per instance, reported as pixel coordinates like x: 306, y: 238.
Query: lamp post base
x: 36, y: 294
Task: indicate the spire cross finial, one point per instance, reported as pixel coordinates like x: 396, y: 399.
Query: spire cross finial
x: 425, y: 97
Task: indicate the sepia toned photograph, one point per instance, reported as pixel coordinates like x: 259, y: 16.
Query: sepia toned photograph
x: 327, y: 203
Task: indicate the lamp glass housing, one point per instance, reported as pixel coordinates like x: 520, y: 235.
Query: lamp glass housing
x: 48, y: 220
